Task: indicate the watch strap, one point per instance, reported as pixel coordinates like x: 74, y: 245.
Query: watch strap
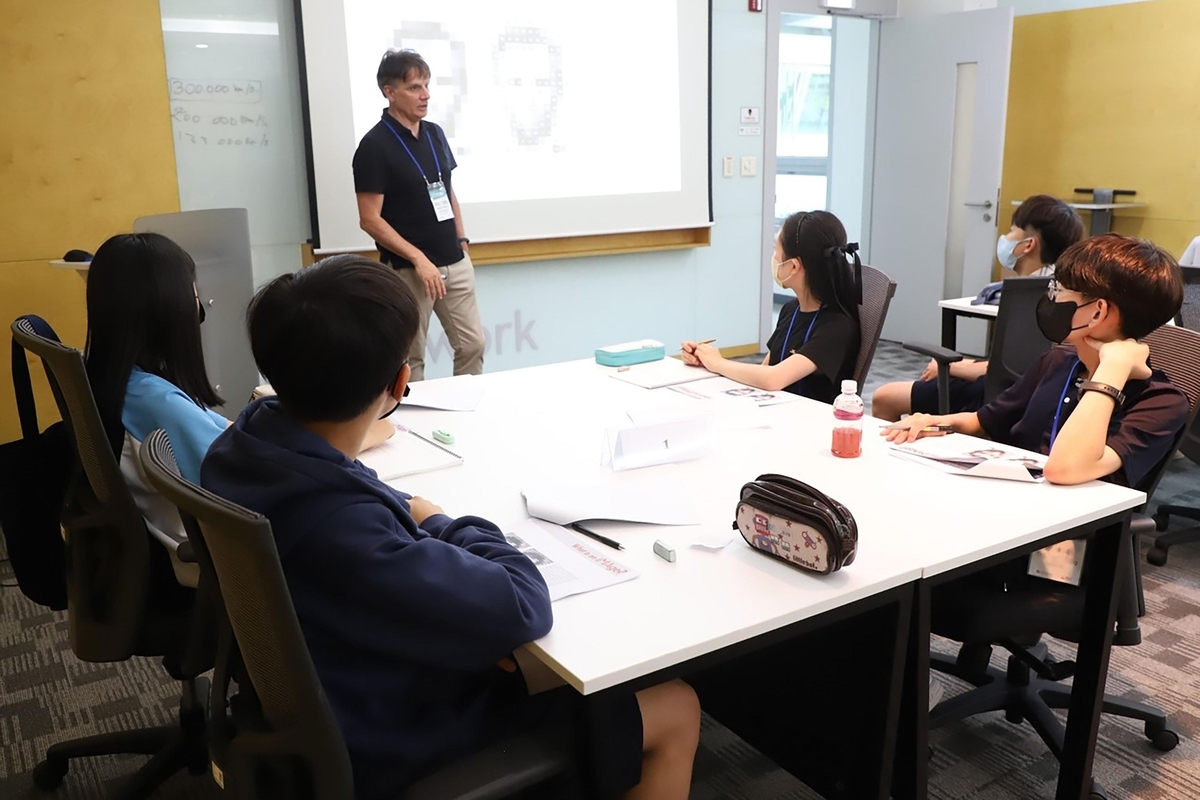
x: 1116, y: 394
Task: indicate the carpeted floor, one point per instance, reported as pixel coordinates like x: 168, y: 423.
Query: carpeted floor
x: 46, y: 695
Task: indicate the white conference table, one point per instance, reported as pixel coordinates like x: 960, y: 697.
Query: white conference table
x: 546, y: 424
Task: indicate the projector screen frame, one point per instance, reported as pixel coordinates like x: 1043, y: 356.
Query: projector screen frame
x: 511, y: 251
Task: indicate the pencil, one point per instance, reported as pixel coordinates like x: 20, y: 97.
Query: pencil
x: 575, y: 526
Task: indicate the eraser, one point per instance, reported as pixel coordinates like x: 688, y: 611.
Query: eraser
x: 445, y: 437
x: 622, y: 369
x: 664, y: 551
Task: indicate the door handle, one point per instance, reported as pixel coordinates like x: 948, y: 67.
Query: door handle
x: 984, y: 204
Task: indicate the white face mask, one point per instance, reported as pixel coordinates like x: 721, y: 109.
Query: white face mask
x: 1006, y: 251
x: 775, y: 265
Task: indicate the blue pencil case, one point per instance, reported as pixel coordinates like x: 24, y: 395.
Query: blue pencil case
x: 623, y: 355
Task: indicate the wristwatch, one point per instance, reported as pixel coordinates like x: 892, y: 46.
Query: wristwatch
x: 1116, y: 394
x: 463, y: 240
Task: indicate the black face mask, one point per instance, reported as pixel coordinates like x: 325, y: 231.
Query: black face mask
x: 1054, y: 318
x: 393, y: 411
x: 201, y: 313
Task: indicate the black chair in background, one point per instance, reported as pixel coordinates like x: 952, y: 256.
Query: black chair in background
x: 278, y: 737
x: 122, y: 596
x: 878, y: 288
x: 1188, y: 317
x: 1016, y: 616
x: 1016, y: 341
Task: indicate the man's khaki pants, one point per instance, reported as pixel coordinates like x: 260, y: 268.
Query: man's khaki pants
x: 457, y: 312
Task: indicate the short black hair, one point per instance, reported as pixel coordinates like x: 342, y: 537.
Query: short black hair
x: 1138, y: 277
x: 141, y: 312
x: 331, y: 338
x: 1056, y: 223
x: 397, y: 65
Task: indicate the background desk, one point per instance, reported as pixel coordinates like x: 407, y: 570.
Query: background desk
x: 546, y: 424
x: 961, y: 307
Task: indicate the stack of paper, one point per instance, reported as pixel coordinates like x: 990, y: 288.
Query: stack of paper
x: 408, y: 453
x: 657, y: 374
x: 721, y: 387
x: 569, y: 564
x: 645, y: 501
x: 963, y: 455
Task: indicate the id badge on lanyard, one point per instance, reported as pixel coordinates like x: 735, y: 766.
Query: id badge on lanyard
x: 441, y: 201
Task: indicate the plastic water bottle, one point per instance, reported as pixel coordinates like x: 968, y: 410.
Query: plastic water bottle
x: 847, y: 422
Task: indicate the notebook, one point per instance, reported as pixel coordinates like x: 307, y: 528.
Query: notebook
x: 408, y: 453
x: 657, y: 374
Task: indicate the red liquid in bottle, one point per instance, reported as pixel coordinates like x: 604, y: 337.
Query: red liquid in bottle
x: 847, y: 442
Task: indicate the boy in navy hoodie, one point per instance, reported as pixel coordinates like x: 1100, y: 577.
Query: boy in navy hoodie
x: 410, y: 616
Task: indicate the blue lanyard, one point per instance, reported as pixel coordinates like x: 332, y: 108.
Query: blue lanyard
x: 436, y: 161
x: 1061, y: 399
x: 788, y: 338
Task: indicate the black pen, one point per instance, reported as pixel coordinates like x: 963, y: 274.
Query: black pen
x: 575, y: 526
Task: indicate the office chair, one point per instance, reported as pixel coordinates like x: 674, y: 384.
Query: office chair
x: 280, y: 733
x: 1188, y: 317
x: 1016, y: 341
x: 122, y: 597
x: 980, y: 614
x: 878, y: 288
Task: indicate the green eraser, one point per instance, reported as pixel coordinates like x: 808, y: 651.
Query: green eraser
x: 445, y: 437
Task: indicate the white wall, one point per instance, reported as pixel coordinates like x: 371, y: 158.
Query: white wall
x: 568, y: 308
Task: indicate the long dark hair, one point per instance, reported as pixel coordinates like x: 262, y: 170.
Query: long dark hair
x: 818, y: 239
x: 141, y: 308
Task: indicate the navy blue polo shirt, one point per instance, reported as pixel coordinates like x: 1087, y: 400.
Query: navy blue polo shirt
x: 1143, y: 431
x: 382, y: 166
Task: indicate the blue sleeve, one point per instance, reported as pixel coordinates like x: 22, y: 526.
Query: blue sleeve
x: 462, y: 599
x: 191, y: 428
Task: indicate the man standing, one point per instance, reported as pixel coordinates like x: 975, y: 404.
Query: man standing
x: 406, y: 203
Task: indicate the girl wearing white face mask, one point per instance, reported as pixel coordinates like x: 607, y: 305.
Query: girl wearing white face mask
x: 815, y: 344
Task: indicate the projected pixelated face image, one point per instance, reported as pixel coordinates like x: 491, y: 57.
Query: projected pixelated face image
x: 447, y: 61
x: 528, y: 69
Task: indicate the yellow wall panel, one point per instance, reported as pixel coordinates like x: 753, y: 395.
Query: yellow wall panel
x: 57, y: 295
x: 85, y: 148
x: 1107, y: 97
x: 85, y: 134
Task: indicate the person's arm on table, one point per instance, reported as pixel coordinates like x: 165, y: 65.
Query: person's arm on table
x: 370, y: 219
x: 771, y: 378
x: 914, y: 426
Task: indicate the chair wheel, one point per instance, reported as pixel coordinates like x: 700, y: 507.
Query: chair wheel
x: 1161, y: 521
x: 49, y: 774
x: 1157, y: 556
x: 1161, y: 736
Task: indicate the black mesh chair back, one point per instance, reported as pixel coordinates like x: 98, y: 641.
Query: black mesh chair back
x: 878, y: 288
x: 108, y: 561
x: 239, y: 547
x: 1176, y: 351
x: 1189, y: 313
x: 1016, y: 340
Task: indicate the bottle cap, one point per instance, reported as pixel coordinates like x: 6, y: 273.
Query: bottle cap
x: 849, y: 387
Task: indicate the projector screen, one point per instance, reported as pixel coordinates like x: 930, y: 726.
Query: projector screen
x: 564, y: 122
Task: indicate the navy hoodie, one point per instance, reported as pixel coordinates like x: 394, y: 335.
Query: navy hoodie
x: 405, y: 625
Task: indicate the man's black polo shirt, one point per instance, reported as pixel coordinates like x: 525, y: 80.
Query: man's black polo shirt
x: 1143, y: 431
x: 381, y: 166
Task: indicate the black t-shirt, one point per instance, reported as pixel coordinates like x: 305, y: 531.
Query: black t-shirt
x: 1142, y: 432
x: 827, y: 337
x: 382, y: 166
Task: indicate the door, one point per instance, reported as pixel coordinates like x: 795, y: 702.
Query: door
x: 939, y: 147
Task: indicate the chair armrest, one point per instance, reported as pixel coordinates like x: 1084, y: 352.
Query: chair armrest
x: 174, y: 542
x: 942, y: 355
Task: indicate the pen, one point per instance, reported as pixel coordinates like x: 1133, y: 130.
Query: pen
x: 575, y: 526
x: 707, y: 341
x: 927, y: 429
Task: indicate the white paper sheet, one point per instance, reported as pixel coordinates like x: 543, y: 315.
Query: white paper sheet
x: 657, y: 374
x: 721, y: 387
x: 408, y: 453
x: 961, y: 455
x: 649, y: 502
x: 569, y: 563
x: 461, y: 393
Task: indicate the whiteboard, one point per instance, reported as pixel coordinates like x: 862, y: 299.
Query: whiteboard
x: 233, y: 86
